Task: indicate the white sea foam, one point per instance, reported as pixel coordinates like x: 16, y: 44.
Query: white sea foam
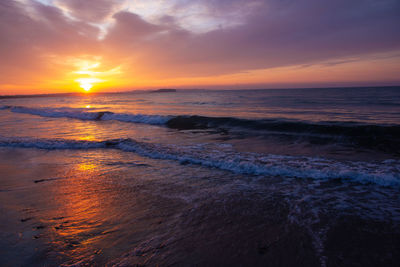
x: 50, y: 144
x: 57, y: 112
x: 84, y: 114
x: 381, y: 173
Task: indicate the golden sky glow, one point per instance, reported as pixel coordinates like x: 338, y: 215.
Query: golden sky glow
x: 74, y: 46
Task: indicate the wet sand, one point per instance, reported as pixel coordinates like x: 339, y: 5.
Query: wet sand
x: 66, y: 207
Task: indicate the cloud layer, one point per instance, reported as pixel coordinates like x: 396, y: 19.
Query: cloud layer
x: 182, y: 38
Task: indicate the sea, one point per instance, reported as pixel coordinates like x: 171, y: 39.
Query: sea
x: 278, y: 177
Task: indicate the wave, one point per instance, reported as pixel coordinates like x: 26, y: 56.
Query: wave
x: 281, y: 125
x: 385, y: 173
x: 85, y: 114
x: 371, y: 136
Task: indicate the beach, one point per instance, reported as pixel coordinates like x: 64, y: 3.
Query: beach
x: 299, y: 177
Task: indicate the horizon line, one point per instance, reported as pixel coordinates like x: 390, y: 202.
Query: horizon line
x: 182, y: 89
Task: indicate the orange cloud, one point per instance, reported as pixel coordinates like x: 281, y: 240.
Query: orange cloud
x: 58, y: 46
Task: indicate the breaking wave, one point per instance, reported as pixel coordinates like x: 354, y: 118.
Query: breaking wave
x: 371, y: 136
x: 223, y: 157
x: 85, y: 114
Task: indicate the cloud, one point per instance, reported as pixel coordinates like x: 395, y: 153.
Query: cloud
x: 30, y: 35
x: 89, y: 10
x: 278, y: 33
x: 235, y: 35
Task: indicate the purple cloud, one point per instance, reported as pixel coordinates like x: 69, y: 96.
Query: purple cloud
x: 278, y: 33
x: 89, y: 10
x: 268, y: 34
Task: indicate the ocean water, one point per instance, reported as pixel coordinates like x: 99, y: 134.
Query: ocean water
x: 290, y: 177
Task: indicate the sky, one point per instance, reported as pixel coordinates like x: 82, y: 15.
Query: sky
x: 52, y: 46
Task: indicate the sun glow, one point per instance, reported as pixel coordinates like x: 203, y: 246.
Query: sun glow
x: 86, y: 86
x: 89, y: 72
x: 87, y: 83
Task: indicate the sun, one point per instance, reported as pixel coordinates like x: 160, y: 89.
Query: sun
x: 87, y: 83
x: 86, y: 86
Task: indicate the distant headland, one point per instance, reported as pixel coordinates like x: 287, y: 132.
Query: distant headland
x: 164, y: 90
